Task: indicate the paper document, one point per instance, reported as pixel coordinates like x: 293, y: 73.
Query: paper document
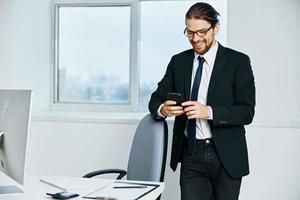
x: 120, y: 190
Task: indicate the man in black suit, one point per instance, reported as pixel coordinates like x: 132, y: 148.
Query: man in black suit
x: 217, y: 87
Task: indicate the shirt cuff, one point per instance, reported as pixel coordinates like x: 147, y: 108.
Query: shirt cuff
x: 158, y: 111
x: 211, y: 114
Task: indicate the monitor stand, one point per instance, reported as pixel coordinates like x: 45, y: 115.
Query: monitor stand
x: 8, y: 189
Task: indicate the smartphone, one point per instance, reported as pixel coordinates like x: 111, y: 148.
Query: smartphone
x: 63, y: 195
x: 176, y: 97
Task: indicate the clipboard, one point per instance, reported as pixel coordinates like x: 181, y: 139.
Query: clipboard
x: 110, y: 192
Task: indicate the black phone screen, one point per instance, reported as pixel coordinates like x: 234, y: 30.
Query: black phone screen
x: 175, y: 97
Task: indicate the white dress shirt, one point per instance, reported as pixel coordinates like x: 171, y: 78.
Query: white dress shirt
x: 202, y: 127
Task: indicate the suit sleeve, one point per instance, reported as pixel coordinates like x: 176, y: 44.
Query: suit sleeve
x: 165, y: 86
x: 242, y: 110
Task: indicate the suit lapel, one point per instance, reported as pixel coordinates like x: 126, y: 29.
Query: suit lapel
x: 188, y: 68
x: 217, y: 69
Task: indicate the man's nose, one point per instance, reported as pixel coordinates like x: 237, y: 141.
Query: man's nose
x: 195, y: 38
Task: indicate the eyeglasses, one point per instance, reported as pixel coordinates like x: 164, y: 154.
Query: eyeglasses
x: 200, y: 33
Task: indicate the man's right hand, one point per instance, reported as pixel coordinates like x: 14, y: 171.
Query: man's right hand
x: 169, y: 109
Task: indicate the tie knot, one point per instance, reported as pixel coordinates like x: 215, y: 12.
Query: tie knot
x: 201, y: 60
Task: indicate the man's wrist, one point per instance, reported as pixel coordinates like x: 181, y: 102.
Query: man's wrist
x: 210, y: 113
x: 159, y: 111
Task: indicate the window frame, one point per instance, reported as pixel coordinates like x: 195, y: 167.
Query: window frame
x: 133, y: 61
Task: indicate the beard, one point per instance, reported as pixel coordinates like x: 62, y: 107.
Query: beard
x: 205, y: 46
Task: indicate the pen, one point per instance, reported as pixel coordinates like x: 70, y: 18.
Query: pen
x: 124, y: 187
x: 53, y: 185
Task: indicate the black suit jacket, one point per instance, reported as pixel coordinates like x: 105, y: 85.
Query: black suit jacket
x: 231, y: 94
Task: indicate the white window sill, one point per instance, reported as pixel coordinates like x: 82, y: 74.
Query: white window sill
x: 90, y: 117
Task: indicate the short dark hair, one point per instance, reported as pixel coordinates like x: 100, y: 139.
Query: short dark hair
x: 203, y: 11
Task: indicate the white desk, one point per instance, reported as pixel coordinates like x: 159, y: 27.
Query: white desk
x: 36, y: 190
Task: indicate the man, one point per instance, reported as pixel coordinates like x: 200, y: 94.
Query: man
x: 217, y: 85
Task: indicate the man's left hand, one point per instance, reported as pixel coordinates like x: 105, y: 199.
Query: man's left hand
x: 195, y: 109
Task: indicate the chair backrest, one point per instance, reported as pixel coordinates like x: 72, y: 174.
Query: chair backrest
x: 147, y: 160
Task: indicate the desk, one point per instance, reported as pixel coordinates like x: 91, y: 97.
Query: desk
x: 36, y: 190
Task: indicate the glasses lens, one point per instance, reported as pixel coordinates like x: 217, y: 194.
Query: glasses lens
x: 188, y: 33
x: 202, y: 32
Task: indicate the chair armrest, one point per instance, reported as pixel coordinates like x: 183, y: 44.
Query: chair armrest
x: 121, y: 173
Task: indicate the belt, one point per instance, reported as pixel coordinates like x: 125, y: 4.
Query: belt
x: 205, y: 141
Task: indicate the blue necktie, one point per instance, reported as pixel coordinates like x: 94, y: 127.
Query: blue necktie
x: 194, y: 97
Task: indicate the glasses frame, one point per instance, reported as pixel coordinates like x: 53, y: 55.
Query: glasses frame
x: 185, y: 32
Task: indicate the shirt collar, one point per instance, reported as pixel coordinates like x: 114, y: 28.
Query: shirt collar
x: 209, y: 56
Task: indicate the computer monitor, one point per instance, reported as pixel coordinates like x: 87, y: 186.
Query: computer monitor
x: 15, y: 113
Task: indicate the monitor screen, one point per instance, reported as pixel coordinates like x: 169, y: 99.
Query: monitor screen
x: 15, y: 110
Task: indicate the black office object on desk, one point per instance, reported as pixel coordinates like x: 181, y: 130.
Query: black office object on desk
x: 63, y: 195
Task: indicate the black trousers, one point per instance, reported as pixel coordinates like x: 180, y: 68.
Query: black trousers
x: 203, y: 177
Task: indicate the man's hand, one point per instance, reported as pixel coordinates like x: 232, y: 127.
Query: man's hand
x: 195, y: 109
x: 169, y: 109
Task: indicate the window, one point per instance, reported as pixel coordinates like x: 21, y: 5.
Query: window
x: 109, y: 55
x: 93, y: 53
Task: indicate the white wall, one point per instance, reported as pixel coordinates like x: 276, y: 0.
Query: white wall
x: 274, y: 164
x: 4, y: 44
x: 267, y: 31
x: 26, y: 48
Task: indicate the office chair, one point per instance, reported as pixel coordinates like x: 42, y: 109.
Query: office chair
x: 147, y: 159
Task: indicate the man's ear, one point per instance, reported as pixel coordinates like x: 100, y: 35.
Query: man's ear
x: 217, y: 28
